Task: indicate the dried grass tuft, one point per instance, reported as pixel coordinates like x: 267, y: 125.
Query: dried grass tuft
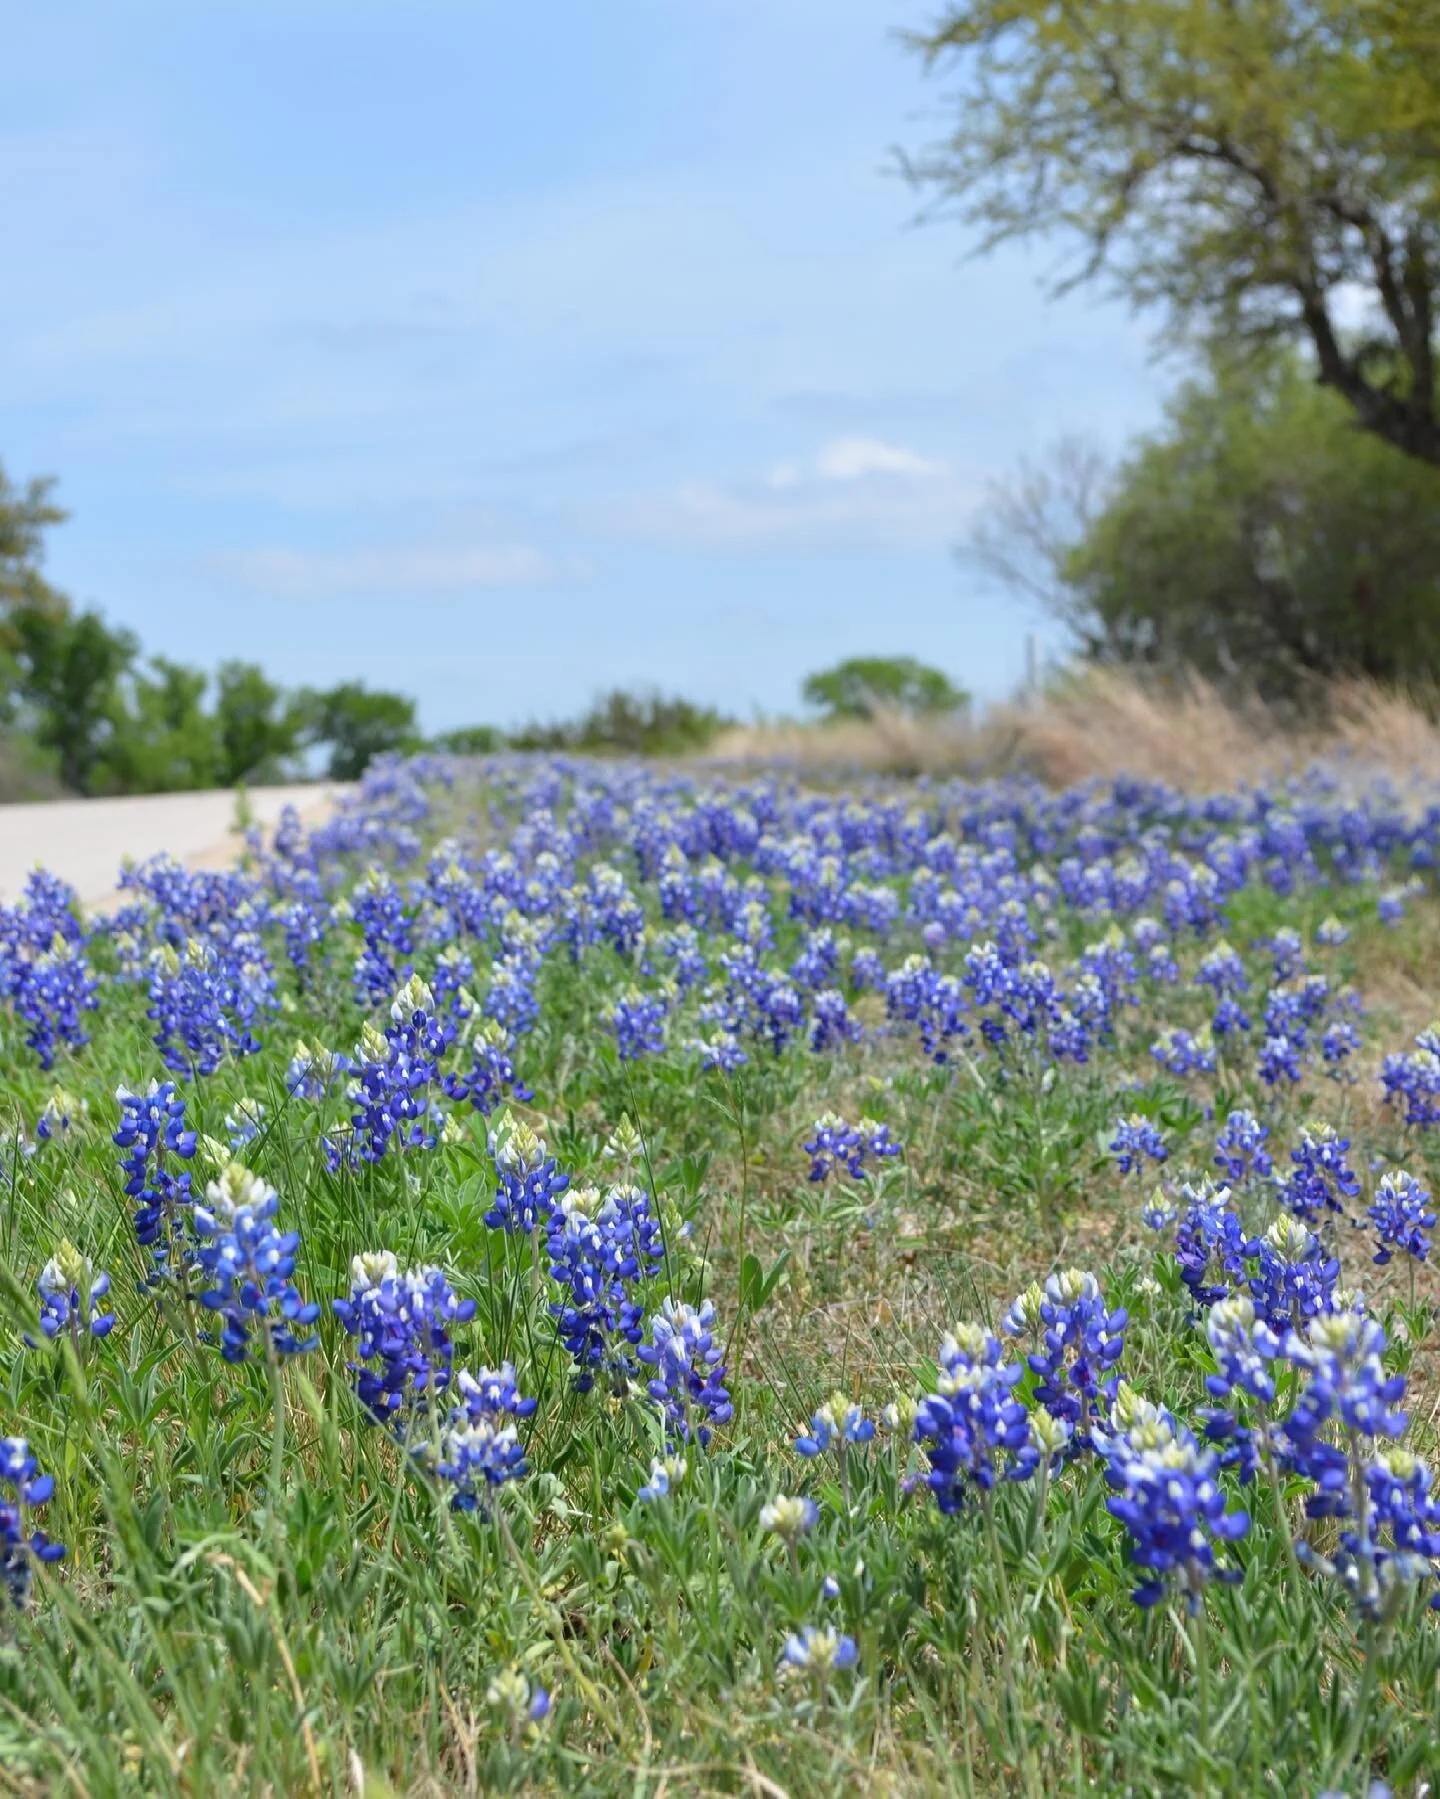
x: 1102, y: 722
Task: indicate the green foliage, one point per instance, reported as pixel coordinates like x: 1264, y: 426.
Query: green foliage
x: 1246, y: 168
x: 25, y: 515
x: 358, y: 723
x: 1259, y: 534
x: 862, y: 685
x: 70, y: 668
x: 469, y: 740
x: 162, y: 739
x: 629, y: 724
x: 215, y: 1628
x: 255, y: 728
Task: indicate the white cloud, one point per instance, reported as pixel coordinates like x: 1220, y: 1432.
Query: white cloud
x: 852, y: 489
x: 852, y: 458
x: 312, y: 574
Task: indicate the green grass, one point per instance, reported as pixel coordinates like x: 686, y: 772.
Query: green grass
x: 267, y: 1599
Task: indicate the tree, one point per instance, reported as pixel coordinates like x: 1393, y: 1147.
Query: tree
x: 865, y: 684
x: 1259, y: 537
x: 628, y: 724
x: 69, y: 674
x: 1251, y: 167
x: 469, y: 740
x: 358, y: 724
x: 25, y: 515
x: 254, y: 727
x: 1031, y: 523
x: 163, y: 739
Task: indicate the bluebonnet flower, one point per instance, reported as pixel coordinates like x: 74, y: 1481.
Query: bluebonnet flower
x: 200, y: 1005
x: 1080, y: 1341
x: 248, y: 1264
x: 1321, y: 1180
x: 152, y: 1128
x: 816, y: 964
x: 722, y: 1051
x: 1245, y: 1350
x: 394, y: 1072
x: 819, y: 1650
x: 836, y: 1424
x: 69, y: 1291
x: 831, y: 1024
x: 876, y: 1140
x: 1390, y: 906
x: 50, y: 992
x: 935, y: 1002
x: 867, y: 970
x: 638, y: 1020
x: 1240, y: 1151
x: 377, y: 906
x: 479, y: 1446
x: 1341, y: 1353
x: 1180, y: 1052
x: 834, y: 1145
x: 1401, y: 1509
x: 1339, y: 1042
x: 527, y: 1182
x: 1414, y: 1077
x: 244, y: 1121
x: 1167, y: 1496
x: 1222, y: 970
x: 491, y: 1075
x: 1294, y: 1278
x: 1229, y: 1018
x: 1279, y: 1061
x: 666, y: 1473
x: 1210, y: 1243
x: 688, y: 1379
x: 59, y: 1114
x: 789, y: 1519
x: 402, y: 1323
x: 315, y: 1071
x: 972, y: 1429
x: 1402, y: 1217
x: 22, y: 1545
x: 1331, y: 932
x: 1288, y: 951
x: 1136, y: 1138
x: 600, y: 1248
x: 522, y: 1706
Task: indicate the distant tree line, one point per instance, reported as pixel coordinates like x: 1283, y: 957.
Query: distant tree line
x: 80, y: 702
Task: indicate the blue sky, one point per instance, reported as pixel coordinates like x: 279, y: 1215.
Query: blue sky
x: 502, y: 354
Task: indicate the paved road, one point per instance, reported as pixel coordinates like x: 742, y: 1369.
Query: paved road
x: 84, y: 841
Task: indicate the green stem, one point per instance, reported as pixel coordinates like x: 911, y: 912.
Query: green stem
x: 277, y: 1439
x: 1200, y: 1637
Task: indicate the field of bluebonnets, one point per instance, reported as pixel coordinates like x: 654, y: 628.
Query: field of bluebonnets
x: 576, y: 1277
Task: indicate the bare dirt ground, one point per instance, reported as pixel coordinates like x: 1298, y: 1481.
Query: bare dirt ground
x: 85, y: 841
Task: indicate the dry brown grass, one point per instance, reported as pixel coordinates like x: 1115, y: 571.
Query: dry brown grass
x: 1102, y: 722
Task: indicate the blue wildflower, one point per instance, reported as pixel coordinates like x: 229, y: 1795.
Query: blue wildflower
x: 1402, y: 1217
x: 688, y: 1369
x: 21, y: 1545
x: 248, y: 1264
x: 1136, y: 1138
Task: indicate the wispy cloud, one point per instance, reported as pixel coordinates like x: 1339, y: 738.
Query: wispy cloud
x: 851, y: 489
x: 316, y: 574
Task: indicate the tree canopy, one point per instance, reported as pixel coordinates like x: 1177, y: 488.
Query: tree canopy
x: 857, y: 688
x: 1253, y: 167
x: 1257, y: 536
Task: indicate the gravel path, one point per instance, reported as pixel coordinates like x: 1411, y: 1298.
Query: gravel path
x: 85, y: 841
